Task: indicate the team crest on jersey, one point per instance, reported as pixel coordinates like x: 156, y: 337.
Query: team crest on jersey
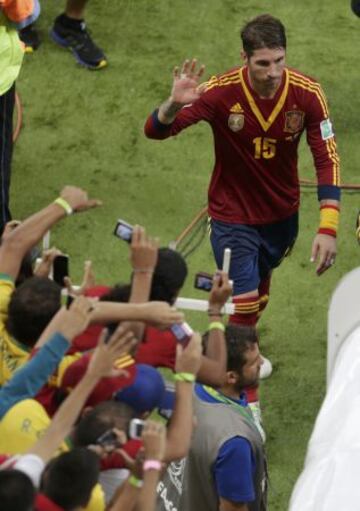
x: 236, y: 122
x: 294, y: 121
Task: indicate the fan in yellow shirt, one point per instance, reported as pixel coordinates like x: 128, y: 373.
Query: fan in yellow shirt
x: 12, y: 353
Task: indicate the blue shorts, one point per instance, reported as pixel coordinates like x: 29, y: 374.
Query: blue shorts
x: 255, y: 249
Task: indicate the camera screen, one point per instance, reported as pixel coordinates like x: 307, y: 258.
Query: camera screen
x: 178, y: 331
x: 204, y: 283
x: 182, y: 331
x: 139, y: 430
x: 124, y: 232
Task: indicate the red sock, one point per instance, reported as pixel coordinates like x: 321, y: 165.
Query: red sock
x: 246, y: 310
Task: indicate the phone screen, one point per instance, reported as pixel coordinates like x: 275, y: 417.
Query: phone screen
x: 107, y: 439
x: 123, y: 231
x: 69, y: 301
x: 182, y: 332
x: 136, y: 428
x: 203, y: 281
x: 60, y: 269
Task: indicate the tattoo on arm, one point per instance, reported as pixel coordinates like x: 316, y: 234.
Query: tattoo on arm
x: 168, y: 111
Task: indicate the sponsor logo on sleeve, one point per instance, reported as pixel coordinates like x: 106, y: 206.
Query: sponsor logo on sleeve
x: 326, y: 129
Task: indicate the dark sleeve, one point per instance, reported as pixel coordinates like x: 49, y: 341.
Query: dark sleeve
x: 201, y: 110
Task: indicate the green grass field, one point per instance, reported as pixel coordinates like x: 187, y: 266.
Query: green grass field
x: 86, y: 128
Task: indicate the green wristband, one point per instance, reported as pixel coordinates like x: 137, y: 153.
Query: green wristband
x: 64, y: 204
x: 216, y: 325
x: 134, y: 481
x: 187, y: 377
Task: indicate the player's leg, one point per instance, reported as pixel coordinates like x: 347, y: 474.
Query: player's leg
x: 69, y: 31
x: 7, y: 102
x: 277, y: 241
x: 244, y: 243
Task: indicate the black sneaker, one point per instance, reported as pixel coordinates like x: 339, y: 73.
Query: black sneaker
x: 30, y: 37
x: 78, y: 41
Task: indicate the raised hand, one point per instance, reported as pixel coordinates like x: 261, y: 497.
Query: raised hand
x: 105, y: 355
x: 188, y: 359
x: 220, y: 292
x: 78, y: 199
x: 185, y: 85
x: 154, y: 440
x: 143, y: 250
x: 47, y: 258
x: 161, y: 314
x: 87, y: 282
x: 71, y: 322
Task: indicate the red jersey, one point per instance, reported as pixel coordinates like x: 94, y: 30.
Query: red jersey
x: 157, y: 349
x: 255, y: 176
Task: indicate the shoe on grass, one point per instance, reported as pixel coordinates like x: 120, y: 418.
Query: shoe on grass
x: 30, y: 37
x: 265, y: 369
x: 72, y: 34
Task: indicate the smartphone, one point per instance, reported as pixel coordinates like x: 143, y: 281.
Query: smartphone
x: 124, y: 231
x: 69, y: 300
x: 60, y: 269
x: 182, y: 332
x: 109, y: 438
x: 136, y: 428
x: 203, y: 281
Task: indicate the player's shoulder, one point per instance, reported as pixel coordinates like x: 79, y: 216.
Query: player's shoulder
x: 222, y: 81
x: 299, y: 79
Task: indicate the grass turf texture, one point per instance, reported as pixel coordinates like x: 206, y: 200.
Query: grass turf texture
x: 85, y: 128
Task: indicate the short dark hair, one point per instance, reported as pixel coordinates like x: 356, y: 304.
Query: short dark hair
x: 69, y: 479
x: 17, y: 492
x: 105, y: 416
x: 32, y: 306
x: 239, y: 338
x: 120, y: 293
x: 169, y: 275
x: 264, y: 31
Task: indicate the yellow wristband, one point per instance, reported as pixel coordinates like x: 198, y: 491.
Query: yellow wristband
x: 216, y: 325
x: 64, y: 204
x: 187, y: 377
x: 134, y: 481
x: 329, y: 219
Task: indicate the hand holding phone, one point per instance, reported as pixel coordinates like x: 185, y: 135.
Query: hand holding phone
x: 203, y: 281
x: 136, y: 427
x: 60, y: 269
x: 108, y: 439
x: 182, y: 331
x: 123, y: 230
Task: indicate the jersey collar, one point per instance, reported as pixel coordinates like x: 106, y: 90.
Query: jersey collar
x: 264, y: 123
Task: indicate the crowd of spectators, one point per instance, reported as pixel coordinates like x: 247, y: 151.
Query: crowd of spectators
x: 100, y: 404
x: 103, y: 406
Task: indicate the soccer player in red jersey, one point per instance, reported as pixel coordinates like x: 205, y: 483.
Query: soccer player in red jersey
x: 258, y: 113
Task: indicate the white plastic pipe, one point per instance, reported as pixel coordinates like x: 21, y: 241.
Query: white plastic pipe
x: 226, y: 260
x: 201, y: 305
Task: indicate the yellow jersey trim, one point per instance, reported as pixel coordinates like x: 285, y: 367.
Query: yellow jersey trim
x: 265, y: 123
x: 306, y: 84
